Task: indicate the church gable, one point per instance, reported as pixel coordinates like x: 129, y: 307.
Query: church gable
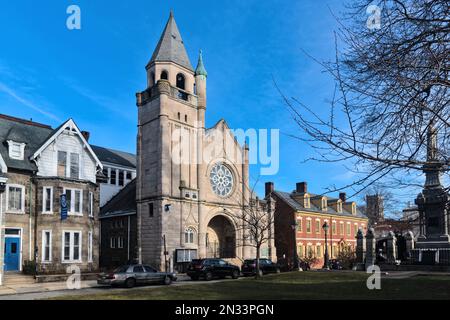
x: 220, y: 142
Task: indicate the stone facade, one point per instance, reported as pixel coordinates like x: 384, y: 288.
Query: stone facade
x: 53, y: 162
x: 175, y: 197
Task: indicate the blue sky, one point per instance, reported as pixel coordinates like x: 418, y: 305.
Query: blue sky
x: 49, y: 73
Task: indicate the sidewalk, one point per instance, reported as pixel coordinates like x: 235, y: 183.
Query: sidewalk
x: 56, y: 286
x: 42, y: 287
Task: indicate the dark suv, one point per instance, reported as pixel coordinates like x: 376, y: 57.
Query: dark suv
x: 212, y: 268
x: 265, y: 266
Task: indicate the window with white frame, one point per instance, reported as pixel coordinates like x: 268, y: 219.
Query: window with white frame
x: 74, y: 199
x: 75, y: 166
x: 91, y: 204
x: 62, y: 164
x: 90, y: 246
x: 16, y: 150
x: 318, y: 226
x: 120, y: 242
x: 112, y: 242
x: 46, y: 246
x: 189, y: 235
x: 71, y: 246
x: 47, y: 200
x: 16, y: 198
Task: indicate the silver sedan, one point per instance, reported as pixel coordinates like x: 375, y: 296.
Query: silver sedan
x: 136, y: 274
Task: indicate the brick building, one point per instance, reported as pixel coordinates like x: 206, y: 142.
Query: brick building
x: 299, y: 220
x: 40, y: 164
x: 118, y: 225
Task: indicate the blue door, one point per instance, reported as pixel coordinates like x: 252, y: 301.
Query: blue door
x: 12, y: 254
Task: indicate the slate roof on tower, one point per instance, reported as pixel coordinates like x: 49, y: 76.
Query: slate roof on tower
x: 170, y: 47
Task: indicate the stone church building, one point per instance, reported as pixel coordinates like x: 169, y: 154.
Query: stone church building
x: 192, y: 182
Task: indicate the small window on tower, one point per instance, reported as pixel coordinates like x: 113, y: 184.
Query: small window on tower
x: 180, y: 81
x: 185, y: 118
x: 150, y: 210
x: 164, y: 75
x: 152, y: 79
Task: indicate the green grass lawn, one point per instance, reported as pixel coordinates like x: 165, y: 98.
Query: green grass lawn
x: 297, y: 285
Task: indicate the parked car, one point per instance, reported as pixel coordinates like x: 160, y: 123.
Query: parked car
x: 212, y: 268
x: 135, y: 274
x: 265, y: 266
x: 304, y: 265
x: 335, y: 264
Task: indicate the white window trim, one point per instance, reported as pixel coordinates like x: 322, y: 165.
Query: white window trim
x: 71, y: 251
x: 112, y: 244
x: 44, y: 199
x: 69, y: 166
x: 12, y: 143
x: 50, y: 247
x: 68, y: 163
x: 70, y: 211
x: 91, y: 204
x: 120, y: 242
x: 8, y: 210
x: 90, y: 246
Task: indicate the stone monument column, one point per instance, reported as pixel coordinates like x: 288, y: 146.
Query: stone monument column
x: 360, y: 247
x: 391, y: 247
x: 409, y: 237
x: 370, y: 248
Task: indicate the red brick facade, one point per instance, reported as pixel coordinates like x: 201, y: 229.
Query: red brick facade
x: 299, y: 220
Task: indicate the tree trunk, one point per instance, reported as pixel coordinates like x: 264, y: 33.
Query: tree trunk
x: 258, y: 247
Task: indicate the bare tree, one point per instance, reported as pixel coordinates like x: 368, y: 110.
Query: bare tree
x: 391, y: 89
x: 257, y: 222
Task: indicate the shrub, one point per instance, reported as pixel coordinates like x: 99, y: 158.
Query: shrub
x: 347, y: 258
x: 29, y: 267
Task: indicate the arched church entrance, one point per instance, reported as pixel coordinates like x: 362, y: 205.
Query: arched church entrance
x: 220, y: 238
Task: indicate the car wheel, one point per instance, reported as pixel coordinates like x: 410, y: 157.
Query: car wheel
x: 235, y: 274
x: 208, y: 276
x: 167, y: 280
x: 130, y: 282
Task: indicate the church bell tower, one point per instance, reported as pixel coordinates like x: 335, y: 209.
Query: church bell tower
x: 171, y: 124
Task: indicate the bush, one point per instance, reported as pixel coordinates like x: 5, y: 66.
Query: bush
x: 29, y: 267
x: 347, y: 258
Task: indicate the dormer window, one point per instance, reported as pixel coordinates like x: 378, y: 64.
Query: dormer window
x: 339, y: 207
x: 353, y: 208
x: 16, y: 150
x: 306, y: 202
x: 324, y: 204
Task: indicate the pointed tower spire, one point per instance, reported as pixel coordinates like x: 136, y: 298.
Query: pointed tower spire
x: 170, y: 47
x: 200, y: 70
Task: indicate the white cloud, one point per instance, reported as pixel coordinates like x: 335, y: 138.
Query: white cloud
x: 19, y: 97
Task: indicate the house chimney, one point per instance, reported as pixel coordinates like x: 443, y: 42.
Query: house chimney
x: 343, y: 196
x: 86, y: 135
x: 301, y: 187
x: 269, y: 188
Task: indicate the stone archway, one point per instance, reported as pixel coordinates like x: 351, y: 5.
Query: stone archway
x: 220, y: 238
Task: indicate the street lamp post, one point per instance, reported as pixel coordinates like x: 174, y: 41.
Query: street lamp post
x: 325, y: 228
